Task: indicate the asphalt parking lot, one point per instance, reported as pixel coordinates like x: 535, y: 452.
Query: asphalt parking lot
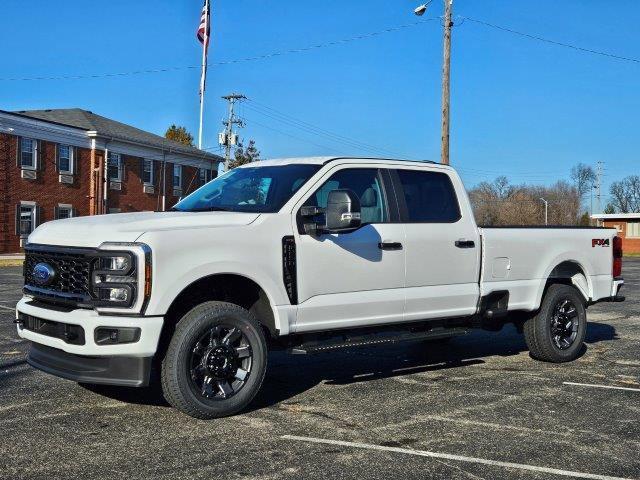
x: 476, y: 408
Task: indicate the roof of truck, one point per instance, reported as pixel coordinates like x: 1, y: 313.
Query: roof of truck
x: 324, y: 160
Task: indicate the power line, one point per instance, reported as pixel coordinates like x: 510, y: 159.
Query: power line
x: 290, y: 135
x: 504, y: 173
x: 315, y: 47
x: 265, y: 56
x: 553, y: 42
x: 315, y: 130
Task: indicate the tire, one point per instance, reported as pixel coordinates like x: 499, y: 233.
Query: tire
x: 556, y: 333
x: 216, y: 361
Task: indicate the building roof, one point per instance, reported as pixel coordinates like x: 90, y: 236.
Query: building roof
x: 616, y: 216
x: 105, y: 127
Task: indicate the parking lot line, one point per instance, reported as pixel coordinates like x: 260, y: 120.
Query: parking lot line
x: 457, y: 458
x: 611, y: 387
x: 8, y: 308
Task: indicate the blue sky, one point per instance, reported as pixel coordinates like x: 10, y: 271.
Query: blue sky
x: 520, y: 107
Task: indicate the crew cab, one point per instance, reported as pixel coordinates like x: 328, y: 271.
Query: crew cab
x: 304, y: 254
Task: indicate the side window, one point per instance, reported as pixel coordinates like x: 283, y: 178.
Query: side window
x: 177, y: 176
x: 28, y: 152
x: 65, y: 159
x: 26, y: 218
x: 63, y: 211
x: 365, y: 182
x: 429, y: 197
x: 114, y: 166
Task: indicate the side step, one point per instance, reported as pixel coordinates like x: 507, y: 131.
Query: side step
x: 342, y: 342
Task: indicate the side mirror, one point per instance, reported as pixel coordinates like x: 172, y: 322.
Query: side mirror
x: 343, y: 211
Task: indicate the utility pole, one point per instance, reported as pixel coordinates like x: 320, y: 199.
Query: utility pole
x: 228, y: 138
x: 599, y: 172
x: 546, y: 211
x: 446, y: 78
x: 446, y: 73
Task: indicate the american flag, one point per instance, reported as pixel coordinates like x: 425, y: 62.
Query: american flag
x: 204, y: 27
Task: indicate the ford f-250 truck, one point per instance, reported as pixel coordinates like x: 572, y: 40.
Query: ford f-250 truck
x: 307, y: 254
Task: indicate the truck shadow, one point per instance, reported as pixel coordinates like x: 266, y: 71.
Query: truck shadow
x: 290, y: 375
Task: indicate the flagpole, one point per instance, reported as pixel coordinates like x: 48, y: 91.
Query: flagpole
x: 203, y: 77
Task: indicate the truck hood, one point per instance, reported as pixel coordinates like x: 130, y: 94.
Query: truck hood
x: 127, y: 227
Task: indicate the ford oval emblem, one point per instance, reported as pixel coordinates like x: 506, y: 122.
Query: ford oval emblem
x: 43, y: 274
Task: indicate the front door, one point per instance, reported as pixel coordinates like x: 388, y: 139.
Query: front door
x: 352, y: 279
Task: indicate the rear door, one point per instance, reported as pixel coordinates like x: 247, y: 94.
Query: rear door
x: 352, y: 279
x: 442, y: 243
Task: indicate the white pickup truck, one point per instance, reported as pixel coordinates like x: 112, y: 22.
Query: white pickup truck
x: 307, y: 254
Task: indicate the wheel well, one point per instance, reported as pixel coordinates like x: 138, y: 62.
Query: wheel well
x: 230, y: 288
x: 569, y: 273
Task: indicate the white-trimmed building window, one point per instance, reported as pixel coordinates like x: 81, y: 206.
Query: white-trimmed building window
x: 63, y: 210
x: 177, y: 177
x: 65, y: 159
x: 28, y: 153
x: 633, y: 229
x: 147, y: 172
x: 114, y: 166
x: 205, y: 175
x: 26, y: 218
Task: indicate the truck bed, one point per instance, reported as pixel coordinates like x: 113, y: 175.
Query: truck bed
x: 521, y: 259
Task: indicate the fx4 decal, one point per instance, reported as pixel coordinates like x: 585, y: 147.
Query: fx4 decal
x: 600, y: 242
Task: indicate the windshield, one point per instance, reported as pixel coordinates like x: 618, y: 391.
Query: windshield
x: 249, y: 189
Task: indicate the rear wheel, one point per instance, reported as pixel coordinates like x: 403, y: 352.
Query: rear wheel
x: 556, y: 333
x: 216, y: 361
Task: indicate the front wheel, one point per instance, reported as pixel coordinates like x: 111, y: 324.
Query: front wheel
x: 216, y: 361
x: 556, y: 333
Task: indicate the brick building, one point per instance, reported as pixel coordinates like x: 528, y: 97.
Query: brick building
x: 628, y: 226
x: 69, y: 162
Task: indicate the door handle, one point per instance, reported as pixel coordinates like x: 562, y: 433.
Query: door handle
x: 465, y: 243
x: 390, y: 246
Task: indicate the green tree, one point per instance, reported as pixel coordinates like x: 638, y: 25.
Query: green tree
x: 179, y: 134
x: 243, y: 156
x: 585, y: 220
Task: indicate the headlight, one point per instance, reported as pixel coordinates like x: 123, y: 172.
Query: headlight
x: 121, y: 280
x: 119, y: 263
x: 117, y: 294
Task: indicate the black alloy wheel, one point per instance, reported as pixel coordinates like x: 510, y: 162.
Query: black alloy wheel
x: 556, y: 332
x: 564, y: 324
x: 220, y: 362
x: 215, y: 362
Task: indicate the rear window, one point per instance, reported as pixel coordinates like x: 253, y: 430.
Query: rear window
x: 429, y: 197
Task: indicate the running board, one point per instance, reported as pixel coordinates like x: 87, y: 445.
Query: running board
x: 375, y: 339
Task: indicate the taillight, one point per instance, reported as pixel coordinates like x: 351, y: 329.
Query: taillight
x: 617, y: 256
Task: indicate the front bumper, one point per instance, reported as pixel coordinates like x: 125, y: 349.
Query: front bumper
x: 125, y: 371
x: 117, y: 364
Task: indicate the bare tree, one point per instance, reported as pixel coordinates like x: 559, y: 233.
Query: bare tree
x: 500, y: 203
x: 583, y: 178
x: 625, y: 195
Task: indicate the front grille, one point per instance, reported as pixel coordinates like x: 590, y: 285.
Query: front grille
x: 72, y: 280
